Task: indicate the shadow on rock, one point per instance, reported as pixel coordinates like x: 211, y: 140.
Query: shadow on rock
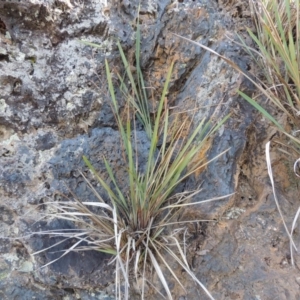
x: 88, y: 267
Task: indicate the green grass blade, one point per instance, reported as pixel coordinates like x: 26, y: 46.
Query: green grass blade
x: 155, y: 134
x: 140, y: 104
x: 260, y: 109
x: 108, y: 251
x: 112, y: 195
x: 120, y: 200
x: 141, y: 84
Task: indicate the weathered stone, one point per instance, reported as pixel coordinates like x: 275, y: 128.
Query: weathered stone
x: 55, y: 107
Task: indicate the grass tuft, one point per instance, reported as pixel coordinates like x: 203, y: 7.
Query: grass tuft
x: 136, y: 226
x: 278, y: 41
x: 277, y: 55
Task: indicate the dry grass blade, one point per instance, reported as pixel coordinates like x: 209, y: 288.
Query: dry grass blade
x: 65, y: 253
x: 292, y: 231
x: 183, y: 263
x: 196, y: 203
x: 296, y: 167
x: 270, y: 172
x: 187, y: 268
x: 160, y: 274
x: 56, y: 244
x: 165, y: 263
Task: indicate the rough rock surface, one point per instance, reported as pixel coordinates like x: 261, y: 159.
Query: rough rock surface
x: 54, y: 107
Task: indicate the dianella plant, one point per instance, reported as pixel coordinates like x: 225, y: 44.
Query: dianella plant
x: 140, y: 226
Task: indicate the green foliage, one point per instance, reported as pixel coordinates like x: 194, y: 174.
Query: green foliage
x: 136, y: 226
x: 144, y: 212
x: 278, y: 41
x: 278, y: 59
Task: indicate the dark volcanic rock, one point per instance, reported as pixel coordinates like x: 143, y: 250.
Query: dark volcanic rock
x: 55, y: 107
x: 81, y: 268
